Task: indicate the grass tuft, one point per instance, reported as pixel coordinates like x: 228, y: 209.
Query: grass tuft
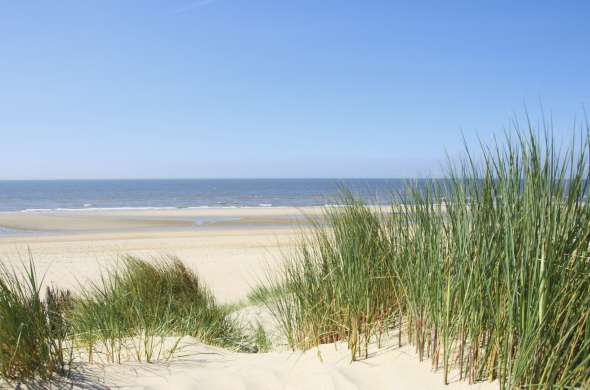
x: 486, y: 272
x: 139, y: 310
x: 33, y: 332
x: 150, y: 300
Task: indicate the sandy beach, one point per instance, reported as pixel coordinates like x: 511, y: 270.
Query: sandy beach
x: 231, y: 249
x: 272, y: 195
x: 325, y: 368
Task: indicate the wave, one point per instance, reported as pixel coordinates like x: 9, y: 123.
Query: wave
x: 155, y: 208
x: 36, y: 210
x: 140, y: 208
x: 123, y: 208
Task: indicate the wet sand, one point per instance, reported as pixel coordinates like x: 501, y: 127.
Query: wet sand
x: 229, y: 248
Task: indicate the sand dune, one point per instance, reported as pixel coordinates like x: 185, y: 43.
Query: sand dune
x: 75, y: 247
x: 327, y: 368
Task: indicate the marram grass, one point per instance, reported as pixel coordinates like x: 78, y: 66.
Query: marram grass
x: 132, y: 312
x: 144, y: 302
x: 33, y: 332
x: 487, y: 272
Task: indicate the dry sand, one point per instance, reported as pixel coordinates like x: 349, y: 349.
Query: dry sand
x: 230, y: 249
x: 198, y: 366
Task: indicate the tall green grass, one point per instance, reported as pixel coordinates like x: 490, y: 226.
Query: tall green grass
x: 137, y: 305
x: 336, y: 287
x: 487, y: 272
x: 33, y: 332
x: 138, y: 310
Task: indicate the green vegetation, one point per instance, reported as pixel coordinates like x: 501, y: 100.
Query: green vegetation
x: 261, y: 341
x: 336, y: 288
x: 152, y: 300
x: 262, y: 294
x: 139, y: 310
x: 487, y: 272
x: 32, y: 330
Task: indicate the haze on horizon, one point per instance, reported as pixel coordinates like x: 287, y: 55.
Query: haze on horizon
x: 266, y: 89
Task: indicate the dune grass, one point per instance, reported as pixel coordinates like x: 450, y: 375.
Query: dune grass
x: 139, y: 310
x: 487, y: 272
x: 143, y: 302
x: 33, y: 332
x: 262, y: 294
x: 336, y: 287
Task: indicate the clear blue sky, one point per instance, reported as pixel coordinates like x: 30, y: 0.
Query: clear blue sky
x: 246, y: 88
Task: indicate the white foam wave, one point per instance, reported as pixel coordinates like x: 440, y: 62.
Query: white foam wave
x: 74, y: 209
x: 87, y: 208
x: 35, y: 210
x: 114, y: 208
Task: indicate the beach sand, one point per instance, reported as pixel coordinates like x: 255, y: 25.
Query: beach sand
x: 325, y: 368
x: 230, y: 249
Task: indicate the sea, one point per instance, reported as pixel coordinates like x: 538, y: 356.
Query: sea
x: 70, y: 195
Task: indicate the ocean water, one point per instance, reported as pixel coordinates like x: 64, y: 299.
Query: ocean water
x: 32, y: 196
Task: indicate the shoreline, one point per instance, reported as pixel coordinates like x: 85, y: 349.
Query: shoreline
x: 144, y: 208
x: 71, y: 249
x: 236, y: 254
x: 25, y: 224
x: 120, y: 220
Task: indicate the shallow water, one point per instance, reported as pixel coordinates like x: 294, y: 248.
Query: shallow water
x: 59, y: 195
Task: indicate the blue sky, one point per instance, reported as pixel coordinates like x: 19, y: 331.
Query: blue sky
x: 245, y: 88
